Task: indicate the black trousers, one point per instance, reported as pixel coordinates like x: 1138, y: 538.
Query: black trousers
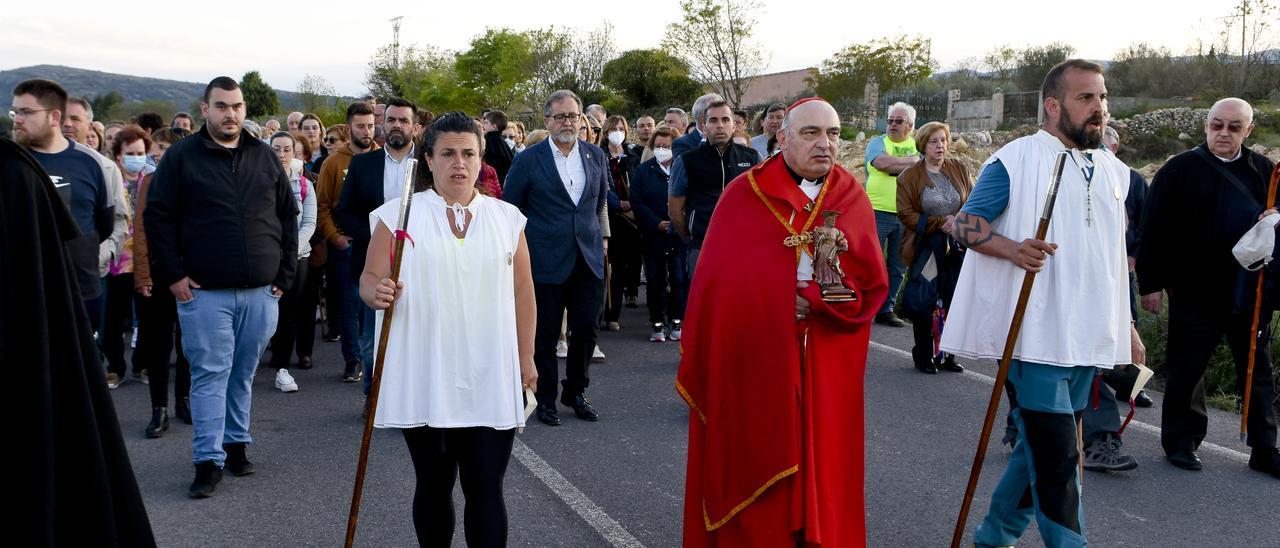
x: 480, y: 457
x: 157, y: 339
x: 582, y: 295
x: 1195, y: 330
x: 664, y: 302
x: 624, y: 259
x: 297, y: 322
x: 120, y: 305
x: 332, y: 300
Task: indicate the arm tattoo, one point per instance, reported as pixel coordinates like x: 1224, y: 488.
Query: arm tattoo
x: 972, y: 230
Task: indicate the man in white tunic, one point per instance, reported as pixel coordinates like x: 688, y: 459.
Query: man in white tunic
x: 1077, y: 320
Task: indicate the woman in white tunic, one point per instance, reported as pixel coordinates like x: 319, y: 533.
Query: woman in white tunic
x: 460, y: 347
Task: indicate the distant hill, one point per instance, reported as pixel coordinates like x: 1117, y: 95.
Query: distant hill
x: 134, y: 88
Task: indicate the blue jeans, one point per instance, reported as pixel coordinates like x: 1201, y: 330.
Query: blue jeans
x: 1045, y: 460
x: 224, y: 332
x: 889, y: 231
x: 349, y: 305
x: 367, y: 317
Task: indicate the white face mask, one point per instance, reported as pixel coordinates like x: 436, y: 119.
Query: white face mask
x: 663, y: 154
x: 616, y: 137
x: 511, y: 143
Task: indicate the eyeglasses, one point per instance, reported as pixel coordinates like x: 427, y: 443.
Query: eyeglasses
x: 566, y: 117
x: 330, y: 140
x: 895, y: 121
x: 25, y: 112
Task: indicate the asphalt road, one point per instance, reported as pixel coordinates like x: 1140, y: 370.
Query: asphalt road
x: 620, y: 482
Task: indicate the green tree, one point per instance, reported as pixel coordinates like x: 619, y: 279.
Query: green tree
x: 314, y: 92
x: 497, y: 67
x: 891, y: 62
x: 650, y: 79
x: 260, y: 100
x: 383, y: 75
x: 1034, y: 63
x: 551, y: 52
x: 104, y: 103
x: 715, y: 38
x: 429, y: 78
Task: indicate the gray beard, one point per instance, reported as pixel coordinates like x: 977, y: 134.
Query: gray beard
x: 565, y: 139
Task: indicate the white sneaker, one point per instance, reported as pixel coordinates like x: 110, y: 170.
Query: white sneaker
x: 285, y: 382
x: 658, y: 334
x: 615, y: 327
x: 562, y: 350
x: 597, y: 356
x: 676, y: 330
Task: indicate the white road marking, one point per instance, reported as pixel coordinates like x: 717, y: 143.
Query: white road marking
x: 1136, y: 424
x: 587, y: 510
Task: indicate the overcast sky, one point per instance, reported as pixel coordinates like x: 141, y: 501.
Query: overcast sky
x: 336, y: 39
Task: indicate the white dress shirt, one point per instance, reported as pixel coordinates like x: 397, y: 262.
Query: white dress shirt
x: 393, y: 172
x: 572, y: 172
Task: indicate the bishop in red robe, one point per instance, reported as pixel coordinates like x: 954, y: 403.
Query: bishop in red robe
x: 773, y: 374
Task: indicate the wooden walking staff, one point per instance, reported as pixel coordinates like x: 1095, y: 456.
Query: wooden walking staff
x: 1014, y: 328
x: 1257, y: 310
x: 371, y: 404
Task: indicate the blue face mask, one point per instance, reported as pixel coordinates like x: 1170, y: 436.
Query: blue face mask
x: 135, y: 164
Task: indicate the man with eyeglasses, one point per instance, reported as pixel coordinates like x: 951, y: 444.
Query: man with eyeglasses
x: 1200, y: 204
x: 360, y: 124
x: 373, y: 179
x: 887, y: 156
x: 561, y: 185
x: 38, y: 111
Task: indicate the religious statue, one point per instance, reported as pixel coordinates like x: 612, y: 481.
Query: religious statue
x: 828, y: 244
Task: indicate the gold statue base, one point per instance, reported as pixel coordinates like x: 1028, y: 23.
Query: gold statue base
x: 838, y: 294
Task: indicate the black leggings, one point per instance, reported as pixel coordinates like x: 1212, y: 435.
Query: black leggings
x: 481, y: 455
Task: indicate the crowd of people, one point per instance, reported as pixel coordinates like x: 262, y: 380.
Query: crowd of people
x: 229, y: 239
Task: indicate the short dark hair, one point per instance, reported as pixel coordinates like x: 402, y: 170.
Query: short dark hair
x: 358, y: 108
x: 180, y: 115
x: 718, y: 104
x: 169, y: 135
x: 128, y: 135
x: 1055, y: 84
x: 403, y: 103
x: 149, y: 121
x: 775, y: 108
x: 741, y: 113
x: 497, y: 118
x: 224, y: 83
x: 48, y: 93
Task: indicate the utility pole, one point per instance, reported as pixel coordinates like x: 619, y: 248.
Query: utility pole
x: 395, y: 40
x: 1243, y: 16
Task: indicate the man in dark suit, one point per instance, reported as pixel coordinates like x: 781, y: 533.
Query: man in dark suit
x: 694, y: 137
x: 561, y: 185
x: 373, y: 178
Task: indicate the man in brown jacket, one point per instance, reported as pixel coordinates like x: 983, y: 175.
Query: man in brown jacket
x: 360, y: 121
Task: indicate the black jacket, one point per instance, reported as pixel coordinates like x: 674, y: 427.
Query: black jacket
x: 498, y: 155
x: 708, y: 172
x: 226, y: 217
x: 649, y: 196
x: 76, y: 484
x: 1192, y: 219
